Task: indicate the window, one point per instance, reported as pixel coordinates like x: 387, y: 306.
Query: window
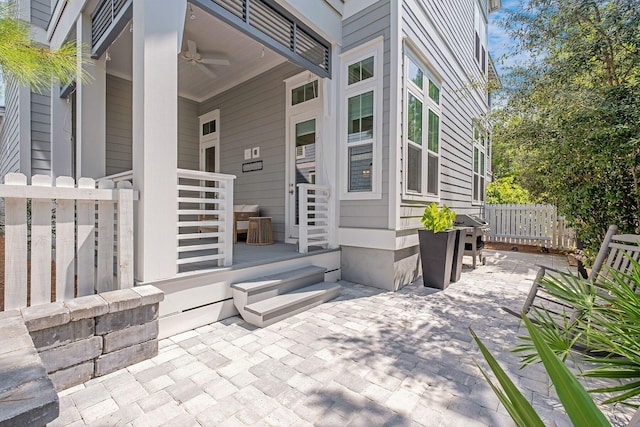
x: 208, y: 127
x: 422, y: 130
x: 304, y: 93
x: 480, y: 143
x: 362, y: 122
x: 480, y: 38
x: 301, y: 151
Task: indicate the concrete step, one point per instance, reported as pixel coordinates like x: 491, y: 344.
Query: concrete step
x: 266, y: 312
x: 261, y: 288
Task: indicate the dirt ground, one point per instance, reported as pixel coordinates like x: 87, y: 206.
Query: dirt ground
x: 520, y: 248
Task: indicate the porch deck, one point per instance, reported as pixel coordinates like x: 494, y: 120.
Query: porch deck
x: 245, y: 256
x: 369, y: 357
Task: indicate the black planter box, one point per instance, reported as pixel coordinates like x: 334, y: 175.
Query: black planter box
x: 458, y: 253
x: 436, y: 255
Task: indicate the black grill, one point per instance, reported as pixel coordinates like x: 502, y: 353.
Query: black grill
x: 477, y: 229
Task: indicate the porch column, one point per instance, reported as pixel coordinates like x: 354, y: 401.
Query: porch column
x: 91, y: 108
x: 157, y: 38
x: 61, y: 143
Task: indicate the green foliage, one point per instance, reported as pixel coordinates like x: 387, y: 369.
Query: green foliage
x: 436, y: 219
x: 505, y: 190
x: 570, y: 129
x: 605, y: 324
x: 28, y: 63
x: 579, y: 406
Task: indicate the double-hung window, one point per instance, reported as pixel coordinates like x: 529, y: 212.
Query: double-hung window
x: 421, y: 130
x: 362, y: 77
x: 480, y: 38
x: 480, y: 143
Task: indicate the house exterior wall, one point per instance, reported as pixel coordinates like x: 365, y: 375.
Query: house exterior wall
x: 364, y: 26
x: 10, y: 132
x: 443, y: 33
x: 40, y: 12
x: 40, y: 133
x: 119, y: 128
x: 253, y: 115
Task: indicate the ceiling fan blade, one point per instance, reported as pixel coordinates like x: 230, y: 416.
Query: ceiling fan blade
x: 206, y: 71
x: 193, y: 50
x: 215, y: 61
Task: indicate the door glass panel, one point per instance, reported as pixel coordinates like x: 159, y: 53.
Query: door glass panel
x: 210, y: 159
x: 306, y: 160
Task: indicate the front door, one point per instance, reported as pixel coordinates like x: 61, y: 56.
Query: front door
x: 304, y: 115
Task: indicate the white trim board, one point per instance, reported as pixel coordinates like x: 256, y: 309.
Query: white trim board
x: 387, y: 240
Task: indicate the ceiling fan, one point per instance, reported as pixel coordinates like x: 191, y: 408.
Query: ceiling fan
x: 194, y: 58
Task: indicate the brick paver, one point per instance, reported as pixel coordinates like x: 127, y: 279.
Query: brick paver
x: 367, y: 358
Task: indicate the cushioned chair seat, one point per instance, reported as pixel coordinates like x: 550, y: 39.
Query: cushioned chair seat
x: 241, y: 214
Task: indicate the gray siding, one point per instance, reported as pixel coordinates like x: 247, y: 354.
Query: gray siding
x: 458, y: 105
x: 360, y: 28
x: 253, y: 115
x: 119, y: 128
x: 40, y: 12
x: 188, y: 134
x: 10, y: 133
x: 40, y: 134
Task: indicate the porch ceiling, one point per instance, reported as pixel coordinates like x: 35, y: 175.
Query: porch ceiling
x: 213, y: 38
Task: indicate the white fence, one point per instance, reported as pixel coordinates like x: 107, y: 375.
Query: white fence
x: 63, y: 228
x: 313, y: 216
x: 529, y: 225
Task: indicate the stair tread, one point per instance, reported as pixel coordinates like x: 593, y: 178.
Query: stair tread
x: 275, y: 303
x: 270, y: 281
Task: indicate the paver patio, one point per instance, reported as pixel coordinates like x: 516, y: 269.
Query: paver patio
x: 367, y: 358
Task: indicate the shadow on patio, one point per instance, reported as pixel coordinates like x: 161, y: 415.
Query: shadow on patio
x: 368, y: 357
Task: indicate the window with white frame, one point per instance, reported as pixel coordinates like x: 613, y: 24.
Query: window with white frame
x: 422, y: 130
x: 362, y: 94
x: 480, y: 38
x: 480, y: 143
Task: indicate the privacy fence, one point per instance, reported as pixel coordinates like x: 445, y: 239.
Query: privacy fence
x: 538, y: 225
x: 83, y: 232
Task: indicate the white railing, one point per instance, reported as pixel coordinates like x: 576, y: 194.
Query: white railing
x: 118, y: 177
x: 314, y: 216
x: 63, y: 221
x: 529, y: 225
x: 205, y: 218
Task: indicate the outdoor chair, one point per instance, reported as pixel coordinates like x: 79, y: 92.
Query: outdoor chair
x: 241, y: 215
x: 614, y: 254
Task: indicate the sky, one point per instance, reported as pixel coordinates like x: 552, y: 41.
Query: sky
x: 499, y: 41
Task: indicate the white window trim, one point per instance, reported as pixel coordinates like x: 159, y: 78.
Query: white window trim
x: 427, y: 104
x: 482, y: 152
x: 210, y: 140
x: 373, y: 48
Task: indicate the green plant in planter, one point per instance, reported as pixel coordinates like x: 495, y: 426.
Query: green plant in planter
x: 438, y: 219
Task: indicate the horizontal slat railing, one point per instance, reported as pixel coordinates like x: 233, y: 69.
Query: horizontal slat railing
x: 205, y: 218
x: 529, y: 225
x: 313, y: 216
x: 63, y: 222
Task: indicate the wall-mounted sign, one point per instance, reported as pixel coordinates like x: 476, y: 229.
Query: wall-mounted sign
x: 252, y: 166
